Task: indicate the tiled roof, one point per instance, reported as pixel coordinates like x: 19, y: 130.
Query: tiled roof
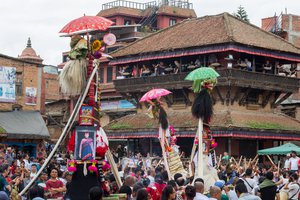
x: 175, y: 11
x: 121, y: 11
x: 208, y: 30
x: 251, y: 120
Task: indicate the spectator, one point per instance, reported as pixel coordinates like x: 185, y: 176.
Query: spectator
x: 33, y: 171
x: 35, y: 193
x: 126, y: 190
x: 4, y: 186
x: 3, y: 196
x: 54, y: 185
x: 287, y: 162
x: 293, y: 187
x: 168, y: 193
x: 142, y: 194
x: 242, y: 192
x: 190, y: 192
x: 215, y: 193
x: 199, y: 186
x: 248, y: 181
x: 95, y: 193
x: 136, y: 187
x: 294, y: 162
x: 267, y: 188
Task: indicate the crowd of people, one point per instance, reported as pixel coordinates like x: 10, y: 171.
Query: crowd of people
x: 237, y: 180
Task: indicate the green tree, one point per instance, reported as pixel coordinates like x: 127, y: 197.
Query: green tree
x: 242, y: 14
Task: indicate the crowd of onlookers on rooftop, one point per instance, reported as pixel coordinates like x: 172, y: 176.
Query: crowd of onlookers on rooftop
x: 175, y: 66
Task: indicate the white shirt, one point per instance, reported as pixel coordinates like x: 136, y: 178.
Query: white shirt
x: 232, y: 195
x: 293, y: 191
x: 294, y: 163
x: 251, y: 182
x: 287, y: 164
x: 200, y: 196
x: 151, y: 178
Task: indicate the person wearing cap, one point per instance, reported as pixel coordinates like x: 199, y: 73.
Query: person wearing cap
x: 287, y: 162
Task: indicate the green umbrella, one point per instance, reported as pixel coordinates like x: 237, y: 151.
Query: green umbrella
x: 202, y: 73
x: 280, y: 150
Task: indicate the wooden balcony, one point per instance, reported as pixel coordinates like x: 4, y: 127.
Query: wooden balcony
x: 228, y: 77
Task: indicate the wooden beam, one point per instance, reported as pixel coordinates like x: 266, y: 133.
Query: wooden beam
x: 228, y: 98
x: 236, y: 96
x: 276, y: 103
x: 244, y: 97
x: 186, y: 97
x: 219, y: 94
x: 266, y: 99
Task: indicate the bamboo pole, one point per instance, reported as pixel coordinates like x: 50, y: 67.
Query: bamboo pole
x: 271, y: 160
x: 162, y: 144
x: 254, y: 159
x: 158, y: 163
x: 73, y: 116
x: 200, y: 165
x: 114, y: 168
x: 240, y: 160
x: 192, y: 155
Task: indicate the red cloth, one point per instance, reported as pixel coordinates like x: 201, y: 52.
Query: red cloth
x: 156, y: 191
x: 55, y: 184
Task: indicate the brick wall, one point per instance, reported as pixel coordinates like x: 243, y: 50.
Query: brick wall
x: 31, y: 77
x: 52, y: 90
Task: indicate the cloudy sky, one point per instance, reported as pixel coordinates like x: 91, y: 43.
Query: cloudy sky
x: 41, y: 20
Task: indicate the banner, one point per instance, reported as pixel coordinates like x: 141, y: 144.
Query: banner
x: 7, y: 84
x: 31, y: 96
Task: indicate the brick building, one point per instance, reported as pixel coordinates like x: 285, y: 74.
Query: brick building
x: 155, y: 15
x: 22, y: 102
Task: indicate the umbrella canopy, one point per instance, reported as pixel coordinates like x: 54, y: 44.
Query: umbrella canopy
x: 280, y: 150
x: 154, y: 94
x: 202, y: 73
x: 87, y: 23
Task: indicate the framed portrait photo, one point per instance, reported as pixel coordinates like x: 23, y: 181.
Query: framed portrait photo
x: 86, y: 116
x: 85, y: 143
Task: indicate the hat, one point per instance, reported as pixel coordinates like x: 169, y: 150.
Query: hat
x: 3, y: 196
x: 288, y: 154
x: 220, y: 183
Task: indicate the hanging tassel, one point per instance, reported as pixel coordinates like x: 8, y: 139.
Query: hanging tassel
x: 84, y: 169
x: 163, y: 118
x: 72, y: 79
x: 203, y: 107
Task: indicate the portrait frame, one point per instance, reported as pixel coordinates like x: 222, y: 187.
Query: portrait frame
x: 85, y: 149
x: 86, y: 115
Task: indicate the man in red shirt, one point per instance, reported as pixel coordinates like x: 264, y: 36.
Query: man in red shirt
x: 55, y: 186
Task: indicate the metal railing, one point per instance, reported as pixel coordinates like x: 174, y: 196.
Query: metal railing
x: 128, y: 4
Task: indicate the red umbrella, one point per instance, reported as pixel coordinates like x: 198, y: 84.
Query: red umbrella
x: 87, y: 22
x: 154, y: 94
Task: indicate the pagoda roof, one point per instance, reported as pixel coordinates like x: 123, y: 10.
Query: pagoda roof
x: 207, y: 31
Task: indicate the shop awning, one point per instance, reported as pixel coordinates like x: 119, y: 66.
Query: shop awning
x: 280, y: 150
x: 24, y: 125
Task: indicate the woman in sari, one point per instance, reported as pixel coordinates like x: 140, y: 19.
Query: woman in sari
x: 86, y: 148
